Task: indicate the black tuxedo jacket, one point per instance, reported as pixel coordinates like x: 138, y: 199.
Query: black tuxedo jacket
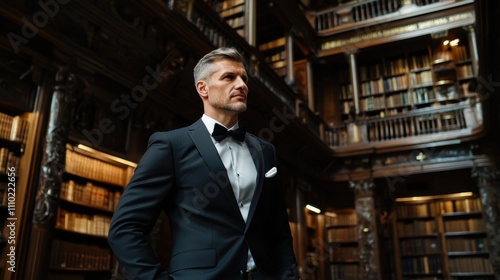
x: 181, y: 173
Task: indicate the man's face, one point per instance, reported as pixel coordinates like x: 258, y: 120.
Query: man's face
x: 227, y: 88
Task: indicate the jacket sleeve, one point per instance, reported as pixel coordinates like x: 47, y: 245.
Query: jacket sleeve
x: 282, y: 238
x: 138, y: 210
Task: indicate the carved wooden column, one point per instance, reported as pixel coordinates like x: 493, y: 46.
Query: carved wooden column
x: 47, y: 197
x: 489, y: 189
x: 367, y: 229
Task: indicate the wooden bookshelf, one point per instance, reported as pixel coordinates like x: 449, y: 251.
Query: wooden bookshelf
x: 441, y: 238
x: 417, y: 241
x: 92, y: 186
x: 342, y: 237
x: 465, y: 238
x: 407, y: 82
x: 13, y: 137
x: 233, y: 13
x: 346, y: 94
x: 275, y: 55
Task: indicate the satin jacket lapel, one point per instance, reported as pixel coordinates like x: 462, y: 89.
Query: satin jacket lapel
x: 256, y: 152
x: 201, y: 138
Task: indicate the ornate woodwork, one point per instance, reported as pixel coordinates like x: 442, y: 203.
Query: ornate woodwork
x: 488, y: 181
x: 47, y: 198
x: 367, y: 228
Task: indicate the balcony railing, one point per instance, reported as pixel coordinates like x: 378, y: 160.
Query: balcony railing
x: 431, y: 125
x: 356, y: 12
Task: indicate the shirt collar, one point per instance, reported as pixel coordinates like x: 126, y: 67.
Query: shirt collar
x: 210, y: 123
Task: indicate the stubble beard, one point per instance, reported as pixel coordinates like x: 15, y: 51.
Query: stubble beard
x: 234, y: 108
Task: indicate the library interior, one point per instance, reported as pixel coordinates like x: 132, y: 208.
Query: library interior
x: 385, y: 115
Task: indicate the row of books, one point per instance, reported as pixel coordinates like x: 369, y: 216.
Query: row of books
x: 94, y: 169
x: 83, y: 223
x: 349, y: 234
x: 368, y: 72
x: 341, y: 219
x: 416, y: 227
x: 395, y: 67
x: 464, y: 71
x: 346, y: 91
x: 465, y: 244
x: 344, y: 271
x: 463, y: 205
x: 79, y: 256
x: 464, y: 225
x: 444, y: 206
x: 396, y: 100
x: 372, y: 87
x: 420, y: 246
x: 90, y: 194
x: 280, y: 42
x: 424, y: 95
x: 415, y: 210
x: 372, y: 103
x: 13, y: 128
x: 9, y: 159
x: 230, y: 10
x: 419, y: 265
x: 459, y: 53
x: 421, y: 78
x: 395, y: 83
x: 470, y: 264
x: 420, y: 61
x: 236, y: 22
x: 343, y: 253
x: 280, y: 56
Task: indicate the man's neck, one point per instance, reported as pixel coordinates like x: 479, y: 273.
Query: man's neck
x: 227, y: 120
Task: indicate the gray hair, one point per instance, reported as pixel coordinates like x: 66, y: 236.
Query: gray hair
x: 204, y: 68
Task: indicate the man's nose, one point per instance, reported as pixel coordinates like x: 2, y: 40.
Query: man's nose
x: 241, y: 82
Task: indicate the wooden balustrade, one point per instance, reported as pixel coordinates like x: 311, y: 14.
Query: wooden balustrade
x: 413, y: 125
x: 435, y: 122
x: 360, y: 11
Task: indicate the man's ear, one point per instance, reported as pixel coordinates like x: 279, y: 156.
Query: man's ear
x: 202, y: 88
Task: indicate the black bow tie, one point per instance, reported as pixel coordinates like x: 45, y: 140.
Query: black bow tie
x: 220, y: 133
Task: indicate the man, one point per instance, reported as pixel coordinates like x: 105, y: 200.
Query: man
x: 222, y: 196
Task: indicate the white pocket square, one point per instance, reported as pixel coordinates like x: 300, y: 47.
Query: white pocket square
x: 271, y: 172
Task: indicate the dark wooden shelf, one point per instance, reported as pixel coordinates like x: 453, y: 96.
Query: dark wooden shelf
x: 471, y: 274
x: 81, y: 270
x: 87, y: 207
x: 464, y: 233
x: 81, y: 235
x: 339, y: 226
x: 462, y: 214
x: 434, y: 235
x: 70, y: 176
x: 412, y: 255
x: 14, y: 146
x: 468, y: 253
x: 423, y: 69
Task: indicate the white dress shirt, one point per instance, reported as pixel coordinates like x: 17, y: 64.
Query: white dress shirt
x: 240, y: 169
